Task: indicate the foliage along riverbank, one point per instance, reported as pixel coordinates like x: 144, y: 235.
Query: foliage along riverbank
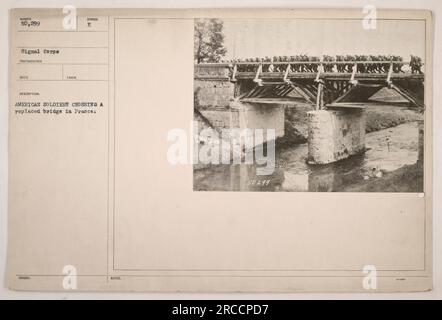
x: 378, y: 117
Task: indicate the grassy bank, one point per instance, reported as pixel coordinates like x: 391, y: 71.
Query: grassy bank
x: 409, y: 178
x: 378, y: 117
x: 386, y: 116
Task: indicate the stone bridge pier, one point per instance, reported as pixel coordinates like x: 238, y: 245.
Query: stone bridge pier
x: 335, y: 134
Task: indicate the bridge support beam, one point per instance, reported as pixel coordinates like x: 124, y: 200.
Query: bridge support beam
x: 335, y: 134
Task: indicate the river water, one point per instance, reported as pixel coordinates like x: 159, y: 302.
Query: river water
x: 386, y: 151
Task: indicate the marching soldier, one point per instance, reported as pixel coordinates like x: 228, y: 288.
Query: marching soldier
x: 416, y: 64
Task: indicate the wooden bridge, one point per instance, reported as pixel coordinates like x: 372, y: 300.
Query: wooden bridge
x: 332, y: 84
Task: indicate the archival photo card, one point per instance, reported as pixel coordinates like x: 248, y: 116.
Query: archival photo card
x: 131, y: 131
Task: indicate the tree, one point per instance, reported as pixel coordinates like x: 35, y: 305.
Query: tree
x: 200, y: 47
x: 209, y: 40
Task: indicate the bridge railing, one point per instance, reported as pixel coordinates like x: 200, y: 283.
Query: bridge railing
x: 324, y: 66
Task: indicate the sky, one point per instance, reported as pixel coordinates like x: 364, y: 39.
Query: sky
x: 260, y: 38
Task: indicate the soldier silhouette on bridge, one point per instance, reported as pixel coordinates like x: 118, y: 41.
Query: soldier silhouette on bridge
x: 416, y: 64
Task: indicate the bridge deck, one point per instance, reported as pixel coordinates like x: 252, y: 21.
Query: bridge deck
x: 329, y: 76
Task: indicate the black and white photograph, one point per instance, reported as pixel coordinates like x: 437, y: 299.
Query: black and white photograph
x: 309, y: 105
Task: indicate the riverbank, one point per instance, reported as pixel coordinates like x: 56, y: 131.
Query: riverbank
x: 378, y: 117
x: 381, y: 116
x: 409, y: 178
